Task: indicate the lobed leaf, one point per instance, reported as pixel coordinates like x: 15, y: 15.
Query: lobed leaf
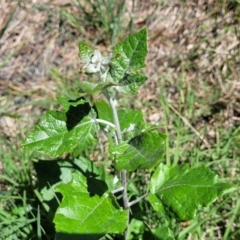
x: 82, y: 213
x: 182, y: 190
x: 128, y: 119
x: 131, y: 82
x: 64, y: 131
x: 129, y: 55
x: 143, y: 151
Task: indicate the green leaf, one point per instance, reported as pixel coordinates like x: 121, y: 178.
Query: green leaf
x: 131, y: 82
x: 163, y: 172
x: 95, y: 174
x: 66, y: 102
x: 104, y: 111
x: 63, y: 132
x: 129, y: 55
x: 81, y: 212
x: 54, y: 172
x: 163, y: 233
x: 135, y: 229
x: 156, y: 204
x: 130, y: 120
x: 90, y: 88
x: 85, y: 52
x: 182, y: 190
x: 143, y: 151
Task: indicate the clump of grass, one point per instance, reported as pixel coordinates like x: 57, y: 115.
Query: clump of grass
x: 100, y: 20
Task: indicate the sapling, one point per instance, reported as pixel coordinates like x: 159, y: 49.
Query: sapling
x: 89, y: 205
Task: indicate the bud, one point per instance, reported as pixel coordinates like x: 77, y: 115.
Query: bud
x: 97, y: 63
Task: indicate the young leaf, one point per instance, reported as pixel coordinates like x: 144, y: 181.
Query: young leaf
x: 156, y: 204
x: 63, y: 132
x: 182, y: 190
x: 85, y: 52
x: 143, y: 151
x: 135, y: 229
x: 129, y: 55
x: 82, y: 213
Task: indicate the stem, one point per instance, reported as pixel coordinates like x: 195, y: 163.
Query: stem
x: 113, y: 103
x: 124, y: 184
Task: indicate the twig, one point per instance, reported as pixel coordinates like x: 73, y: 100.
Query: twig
x: 137, y: 200
x: 117, y: 190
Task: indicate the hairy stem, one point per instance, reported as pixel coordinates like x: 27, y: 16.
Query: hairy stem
x: 113, y: 103
x: 123, y: 174
x: 124, y: 184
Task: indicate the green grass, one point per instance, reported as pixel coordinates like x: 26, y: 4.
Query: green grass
x: 186, y: 145
x: 189, y: 142
x: 16, y: 180
x: 192, y: 118
x: 22, y: 213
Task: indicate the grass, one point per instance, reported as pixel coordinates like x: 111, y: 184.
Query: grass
x: 188, y: 143
x: 16, y: 179
x: 199, y: 143
x: 192, y: 94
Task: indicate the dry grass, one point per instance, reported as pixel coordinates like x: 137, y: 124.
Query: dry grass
x: 194, y: 48
x: 200, y: 39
